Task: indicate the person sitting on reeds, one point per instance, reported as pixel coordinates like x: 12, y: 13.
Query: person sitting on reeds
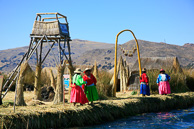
x: 77, y: 94
x: 163, y: 83
x: 144, y: 81
x: 90, y: 87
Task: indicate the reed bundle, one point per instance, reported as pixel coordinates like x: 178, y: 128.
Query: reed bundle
x: 57, y: 116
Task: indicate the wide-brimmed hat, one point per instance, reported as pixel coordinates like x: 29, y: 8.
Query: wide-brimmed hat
x: 87, y: 69
x: 162, y: 70
x: 144, y: 70
x: 78, y: 70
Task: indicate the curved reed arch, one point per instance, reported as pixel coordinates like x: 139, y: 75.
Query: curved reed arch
x: 115, y: 66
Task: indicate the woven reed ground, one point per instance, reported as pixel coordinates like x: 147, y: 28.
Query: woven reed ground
x: 55, y: 116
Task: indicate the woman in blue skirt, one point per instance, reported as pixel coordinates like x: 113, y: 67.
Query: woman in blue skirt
x: 144, y: 83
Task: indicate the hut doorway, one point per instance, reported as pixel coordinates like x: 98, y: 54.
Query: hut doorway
x: 133, y: 81
x: 118, y: 85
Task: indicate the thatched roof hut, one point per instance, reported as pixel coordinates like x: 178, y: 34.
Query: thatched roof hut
x: 157, y: 63
x: 152, y: 63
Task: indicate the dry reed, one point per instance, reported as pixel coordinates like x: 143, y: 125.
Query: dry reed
x: 58, y: 116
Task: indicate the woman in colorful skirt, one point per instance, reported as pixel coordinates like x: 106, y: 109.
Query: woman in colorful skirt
x: 144, y: 81
x: 90, y: 87
x: 77, y: 94
x: 163, y: 83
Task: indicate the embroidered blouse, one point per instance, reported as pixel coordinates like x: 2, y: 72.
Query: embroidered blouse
x: 162, y: 78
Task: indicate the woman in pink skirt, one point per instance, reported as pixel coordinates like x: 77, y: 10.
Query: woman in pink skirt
x: 77, y: 94
x: 163, y: 83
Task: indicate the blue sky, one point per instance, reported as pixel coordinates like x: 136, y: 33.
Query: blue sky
x: 170, y: 21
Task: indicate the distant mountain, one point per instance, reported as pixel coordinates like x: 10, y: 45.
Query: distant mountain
x: 105, y: 57
x: 85, y: 52
x: 190, y: 65
x: 11, y: 57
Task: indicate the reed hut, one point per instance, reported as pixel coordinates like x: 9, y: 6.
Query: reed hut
x: 152, y: 63
x: 122, y: 75
x: 128, y: 78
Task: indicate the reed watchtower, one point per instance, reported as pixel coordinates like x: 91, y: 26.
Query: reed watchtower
x: 48, y: 28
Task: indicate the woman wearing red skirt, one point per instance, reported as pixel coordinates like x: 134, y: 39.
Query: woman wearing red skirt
x: 77, y: 94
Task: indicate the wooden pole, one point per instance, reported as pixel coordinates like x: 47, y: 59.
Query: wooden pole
x: 69, y: 50
x: 118, y: 68
x: 1, y: 86
x: 124, y: 79
x: 59, y: 49
x: 36, y: 54
x: 121, y: 77
x: 15, y: 94
x: 29, y: 48
x: 48, y: 52
x: 40, y: 54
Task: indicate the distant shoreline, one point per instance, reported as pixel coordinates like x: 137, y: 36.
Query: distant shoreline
x: 105, y: 110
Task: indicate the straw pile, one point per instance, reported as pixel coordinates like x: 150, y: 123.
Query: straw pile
x: 53, y: 84
x: 95, y: 70
x: 37, y: 83
x: 20, y: 96
x: 71, y: 69
x: 59, y: 89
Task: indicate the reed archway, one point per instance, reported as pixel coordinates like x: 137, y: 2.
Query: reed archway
x: 115, y: 64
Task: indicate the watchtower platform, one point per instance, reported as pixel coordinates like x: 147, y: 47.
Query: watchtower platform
x: 52, y: 27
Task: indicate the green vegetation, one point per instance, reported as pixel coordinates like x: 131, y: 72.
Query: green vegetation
x: 179, y: 82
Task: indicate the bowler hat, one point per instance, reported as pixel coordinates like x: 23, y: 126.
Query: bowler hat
x: 162, y: 70
x: 78, y: 70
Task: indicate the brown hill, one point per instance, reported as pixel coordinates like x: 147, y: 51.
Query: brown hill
x: 105, y: 57
x: 11, y: 57
x: 86, y: 52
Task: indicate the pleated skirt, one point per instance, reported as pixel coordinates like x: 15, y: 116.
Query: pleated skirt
x: 144, y: 89
x: 164, y: 88
x: 78, y: 96
x: 91, y: 93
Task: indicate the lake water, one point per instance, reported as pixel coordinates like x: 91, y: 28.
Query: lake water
x: 175, y: 119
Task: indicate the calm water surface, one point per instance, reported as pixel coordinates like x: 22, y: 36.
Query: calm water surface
x: 175, y: 119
